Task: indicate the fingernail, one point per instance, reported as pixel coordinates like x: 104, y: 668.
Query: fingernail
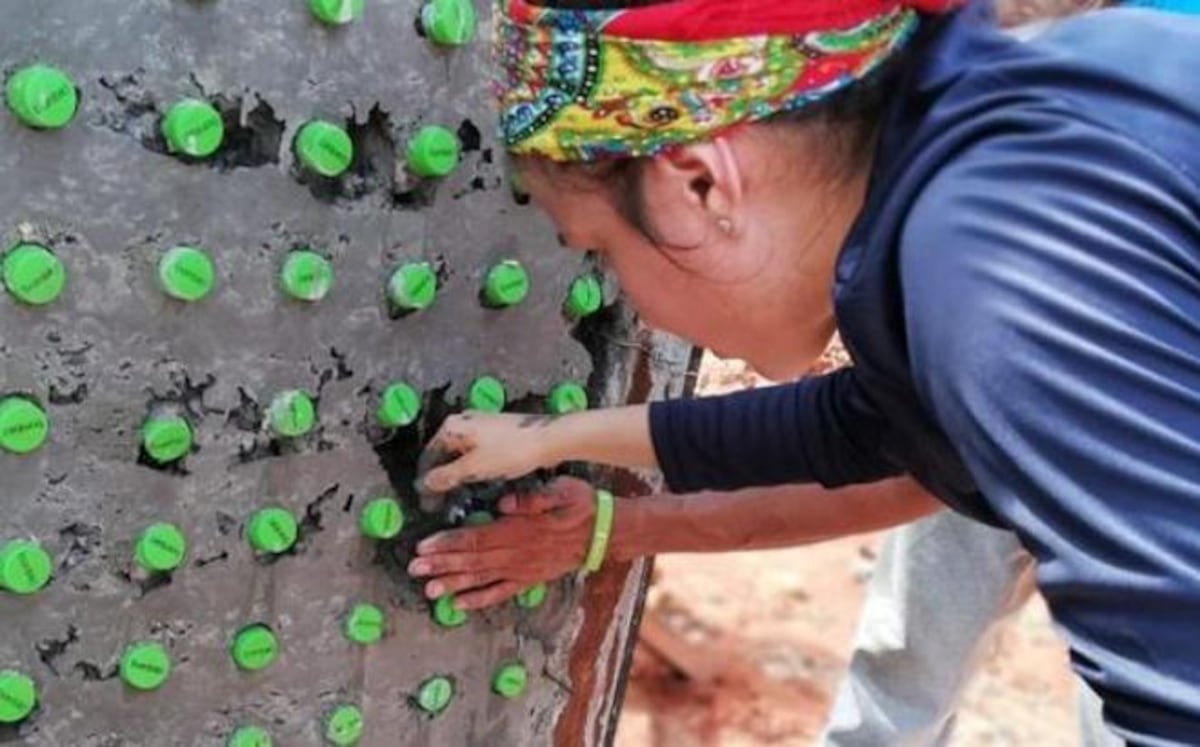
x: 434, y: 590
x: 418, y: 568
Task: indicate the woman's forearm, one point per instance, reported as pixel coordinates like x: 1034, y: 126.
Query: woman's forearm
x: 618, y: 437
x: 763, y: 518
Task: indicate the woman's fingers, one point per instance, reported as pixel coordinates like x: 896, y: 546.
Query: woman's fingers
x: 460, y: 582
x: 490, y: 596
x: 463, y: 562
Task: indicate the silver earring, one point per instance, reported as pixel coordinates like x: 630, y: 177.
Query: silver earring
x: 725, y: 225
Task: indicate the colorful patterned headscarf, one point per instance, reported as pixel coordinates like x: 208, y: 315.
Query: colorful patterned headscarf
x: 584, y: 85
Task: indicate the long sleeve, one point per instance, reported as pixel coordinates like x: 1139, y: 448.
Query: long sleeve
x: 821, y: 429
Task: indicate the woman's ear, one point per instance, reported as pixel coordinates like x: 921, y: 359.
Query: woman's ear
x: 693, y: 194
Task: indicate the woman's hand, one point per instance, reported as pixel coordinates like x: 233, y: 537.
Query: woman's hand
x: 539, y: 537
x: 483, y: 447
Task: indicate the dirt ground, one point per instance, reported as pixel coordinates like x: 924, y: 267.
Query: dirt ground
x: 744, y: 650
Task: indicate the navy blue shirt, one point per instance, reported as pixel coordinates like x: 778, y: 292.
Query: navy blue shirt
x: 1021, y: 300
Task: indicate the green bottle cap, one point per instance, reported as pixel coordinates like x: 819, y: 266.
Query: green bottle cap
x: 254, y: 647
x: 336, y: 12
x: 23, y: 425
x: 186, y: 273
x: 450, y: 23
x: 435, y: 694
x: 145, y: 665
x: 33, y: 275
x: 478, y: 518
x: 325, y: 148
x: 166, y: 438
x: 292, y: 413
x: 272, y: 531
x: 446, y: 614
x: 506, y: 284
x: 585, y: 297
x: 510, y: 681
x: 344, y: 727
x: 567, y: 397
x: 413, y: 286
x: 433, y: 152
x: 364, y: 624
x: 24, y: 567
x: 306, y: 276
x: 249, y: 736
x: 18, y: 697
x: 532, y: 597
x: 42, y: 96
x: 486, y: 394
x: 399, y: 405
x: 194, y: 128
x: 160, y: 548
x: 381, y: 518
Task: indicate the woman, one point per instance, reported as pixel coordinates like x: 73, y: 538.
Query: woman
x: 1007, y: 236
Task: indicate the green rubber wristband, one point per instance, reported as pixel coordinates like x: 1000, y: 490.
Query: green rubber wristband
x: 435, y: 694
x: 24, y: 426
x: 566, y: 398
x: 324, y: 148
x: 18, y: 696
x: 145, y: 665
x: 33, y: 275
x: 42, y: 96
x: 254, y: 648
x: 272, y: 531
x: 194, y: 128
x: 506, y: 284
x: 344, y: 727
x: 399, y: 405
x: 382, y: 519
x: 166, y: 439
x: 186, y: 273
x: 413, y: 286
x: 365, y: 624
x: 249, y: 736
x: 584, y: 298
x: 292, y: 414
x: 306, y: 276
x: 533, y: 597
x: 336, y: 12
x: 486, y: 394
x: 446, y: 614
x: 601, y: 531
x: 160, y: 548
x: 510, y: 681
x: 450, y: 23
x: 433, y: 152
x: 25, y: 568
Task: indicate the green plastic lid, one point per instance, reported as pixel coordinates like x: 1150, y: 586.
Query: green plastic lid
x: 585, y: 297
x: 486, y: 394
x: 306, y: 276
x: 532, y: 597
x: 381, y: 518
x: 478, y: 518
x: 160, y: 548
x: 510, y: 681
x: 166, y: 438
x: 25, y: 567
x: 445, y: 613
x: 399, y: 405
x: 42, y: 96
x: 336, y: 12
x: 272, y: 531
x: 344, y: 727
x: 254, y: 647
x: 413, y: 286
x: 23, y: 425
x: 145, y: 665
x: 18, y: 696
x: 249, y: 736
x: 194, y: 128
x: 433, y: 152
x: 506, y: 284
x: 33, y: 275
x: 186, y: 273
x: 364, y: 624
x: 567, y: 397
x: 450, y: 23
x: 292, y: 413
x: 325, y: 148
x: 435, y: 694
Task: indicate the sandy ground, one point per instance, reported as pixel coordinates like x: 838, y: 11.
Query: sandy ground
x: 763, y: 639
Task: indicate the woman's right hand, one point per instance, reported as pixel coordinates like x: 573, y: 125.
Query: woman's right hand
x: 475, y: 446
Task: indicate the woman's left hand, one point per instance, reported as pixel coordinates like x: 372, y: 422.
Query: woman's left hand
x: 539, y: 537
